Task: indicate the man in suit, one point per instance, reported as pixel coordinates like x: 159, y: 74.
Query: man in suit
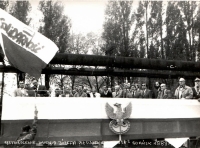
x: 106, y: 93
x: 164, y: 93
x: 134, y: 93
x: 39, y: 90
x: 21, y: 91
x: 146, y: 93
x: 196, y: 89
x: 80, y: 92
x: 156, y: 89
x: 183, y: 91
x: 118, y: 92
x: 126, y: 90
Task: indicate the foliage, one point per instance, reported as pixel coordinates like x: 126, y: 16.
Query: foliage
x: 20, y: 10
x: 4, y: 4
x: 56, y: 25
x: 117, y: 28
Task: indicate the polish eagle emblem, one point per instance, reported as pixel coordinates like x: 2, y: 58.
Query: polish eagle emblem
x: 119, y: 125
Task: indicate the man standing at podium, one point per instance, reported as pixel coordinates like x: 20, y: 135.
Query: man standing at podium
x: 38, y: 90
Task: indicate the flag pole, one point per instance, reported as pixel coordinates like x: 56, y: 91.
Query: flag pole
x: 2, y: 89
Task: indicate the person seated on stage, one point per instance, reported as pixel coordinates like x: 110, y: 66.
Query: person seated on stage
x: 183, y: 91
x: 94, y: 93
x: 40, y: 90
x: 80, y: 92
x: 145, y: 92
x: 21, y: 91
x: 196, y: 89
x: 88, y: 91
x: 67, y: 92
x: 126, y: 90
x: 57, y: 92
x: 118, y: 92
x: 106, y: 93
x: 134, y: 93
x: 164, y: 93
x: 156, y: 89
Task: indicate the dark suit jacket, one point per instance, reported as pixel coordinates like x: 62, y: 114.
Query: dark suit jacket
x: 147, y: 94
x: 108, y: 95
x: 136, y: 94
x: 164, y: 95
x: 41, y: 91
x: 195, y: 95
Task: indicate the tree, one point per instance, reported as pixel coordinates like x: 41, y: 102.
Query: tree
x: 188, y: 8
x: 79, y: 44
x: 196, y: 29
x: 155, y: 25
x: 117, y: 28
x: 4, y: 4
x: 56, y: 25
x: 170, y: 41
x: 138, y: 35
x: 20, y: 10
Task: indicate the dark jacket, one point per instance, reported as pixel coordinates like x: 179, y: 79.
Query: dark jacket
x: 136, y: 94
x: 195, y: 94
x: 166, y: 94
x: 106, y: 95
x: 41, y: 91
x: 146, y: 94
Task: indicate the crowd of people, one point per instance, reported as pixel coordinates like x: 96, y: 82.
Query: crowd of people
x: 136, y: 90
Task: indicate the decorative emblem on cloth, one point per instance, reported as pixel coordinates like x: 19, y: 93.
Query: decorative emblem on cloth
x: 119, y: 125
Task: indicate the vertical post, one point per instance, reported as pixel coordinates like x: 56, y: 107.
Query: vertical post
x: 47, y: 76
x: 2, y: 89
x: 21, y: 76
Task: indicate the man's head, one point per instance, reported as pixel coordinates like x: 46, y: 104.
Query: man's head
x: 144, y: 86
x: 181, y: 81
x: 105, y: 88
x: 117, y: 87
x: 197, y: 82
x: 35, y: 82
x: 133, y: 87
x: 157, y: 84
x: 21, y: 84
x: 26, y: 128
x: 126, y: 85
x: 80, y: 88
x: 137, y: 85
x: 163, y: 86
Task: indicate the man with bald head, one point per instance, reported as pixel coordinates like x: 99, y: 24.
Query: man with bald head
x: 183, y: 91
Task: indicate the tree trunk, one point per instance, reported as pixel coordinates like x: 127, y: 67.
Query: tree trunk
x: 47, y: 77
x: 147, y: 35
x: 97, y: 84
x: 89, y: 82
x: 161, y: 35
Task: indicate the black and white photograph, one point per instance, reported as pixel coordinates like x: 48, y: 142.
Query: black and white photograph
x: 100, y: 73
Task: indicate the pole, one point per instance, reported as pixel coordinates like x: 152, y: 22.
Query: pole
x: 2, y: 89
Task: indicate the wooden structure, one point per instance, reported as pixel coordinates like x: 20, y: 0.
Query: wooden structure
x: 85, y: 119
x: 81, y: 129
